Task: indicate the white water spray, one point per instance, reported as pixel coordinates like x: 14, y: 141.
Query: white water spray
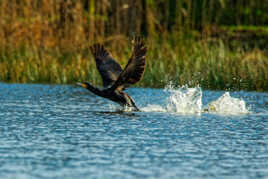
x: 182, y: 100
x: 227, y: 105
x: 186, y: 100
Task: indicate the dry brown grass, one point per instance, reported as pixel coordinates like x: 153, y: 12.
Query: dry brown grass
x: 48, y: 42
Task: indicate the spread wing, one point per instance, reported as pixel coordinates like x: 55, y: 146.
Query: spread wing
x: 135, y: 67
x: 108, y: 68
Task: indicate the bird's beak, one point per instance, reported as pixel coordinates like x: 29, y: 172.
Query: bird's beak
x: 81, y: 84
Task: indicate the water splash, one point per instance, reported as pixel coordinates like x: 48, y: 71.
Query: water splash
x: 181, y: 100
x: 154, y: 108
x: 186, y: 100
x: 114, y: 107
x: 227, y: 105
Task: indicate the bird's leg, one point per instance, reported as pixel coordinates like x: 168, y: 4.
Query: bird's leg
x: 132, y: 104
x: 135, y: 108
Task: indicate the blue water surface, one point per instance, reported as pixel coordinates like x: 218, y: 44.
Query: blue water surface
x: 61, y: 131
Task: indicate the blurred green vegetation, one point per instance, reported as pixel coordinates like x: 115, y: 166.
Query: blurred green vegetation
x: 217, y: 44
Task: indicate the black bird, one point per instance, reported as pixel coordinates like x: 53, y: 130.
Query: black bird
x: 114, y: 79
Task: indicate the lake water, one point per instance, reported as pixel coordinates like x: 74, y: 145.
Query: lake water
x: 61, y: 131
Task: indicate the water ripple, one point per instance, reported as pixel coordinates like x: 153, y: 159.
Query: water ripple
x: 50, y: 131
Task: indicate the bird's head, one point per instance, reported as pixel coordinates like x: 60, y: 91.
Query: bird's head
x: 83, y: 84
x: 89, y: 87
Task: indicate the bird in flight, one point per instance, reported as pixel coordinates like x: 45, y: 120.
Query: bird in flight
x: 115, y: 80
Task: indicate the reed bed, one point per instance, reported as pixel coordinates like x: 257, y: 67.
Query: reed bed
x: 192, y: 63
x: 48, y: 42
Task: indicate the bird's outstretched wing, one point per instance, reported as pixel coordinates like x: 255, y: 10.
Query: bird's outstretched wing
x: 108, y: 68
x: 135, y: 67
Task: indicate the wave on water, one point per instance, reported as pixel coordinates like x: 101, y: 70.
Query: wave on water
x: 184, y: 100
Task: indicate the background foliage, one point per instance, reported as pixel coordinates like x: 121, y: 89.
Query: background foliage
x: 218, y: 44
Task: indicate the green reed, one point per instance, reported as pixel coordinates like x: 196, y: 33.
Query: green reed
x: 182, y: 61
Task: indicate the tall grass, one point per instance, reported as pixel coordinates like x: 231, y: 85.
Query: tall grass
x: 48, y: 41
x: 212, y: 66
x: 184, y: 62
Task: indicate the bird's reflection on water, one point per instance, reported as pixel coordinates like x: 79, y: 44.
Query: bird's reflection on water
x: 117, y: 112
